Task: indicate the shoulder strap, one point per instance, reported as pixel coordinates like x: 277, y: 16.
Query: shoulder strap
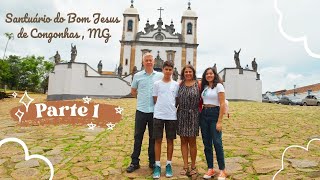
x: 199, y: 85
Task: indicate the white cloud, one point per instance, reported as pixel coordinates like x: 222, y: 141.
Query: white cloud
x: 273, y: 78
x: 279, y: 78
x: 293, y: 78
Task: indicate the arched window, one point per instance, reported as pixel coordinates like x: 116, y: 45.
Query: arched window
x: 130, y: 25
x: 170, y: 57
x: 126, y: 62
x: 189, y: 28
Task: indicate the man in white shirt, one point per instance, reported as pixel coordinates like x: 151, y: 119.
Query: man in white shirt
x: 165, y: 92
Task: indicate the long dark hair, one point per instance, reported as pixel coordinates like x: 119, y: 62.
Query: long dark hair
x: 216, y: 79
x: 183, y: 79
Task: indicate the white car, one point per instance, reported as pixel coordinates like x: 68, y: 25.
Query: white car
x: 311, y: 100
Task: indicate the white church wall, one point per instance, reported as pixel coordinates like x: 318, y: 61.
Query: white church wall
x: 242, y: 86
x: 126, y: 55
x: 152, y: 34
x: 128, y: 79
x: 92, y: 72
x: 189, y: 56
x: 110, y: 86
x: 75, y: 83
x: 164, y: 40
x: 129, y: 35
x: 150, y: 37
x: 163, y: 54
x: 58, y: 80
x: 168, y: 35
x: 189, y: 38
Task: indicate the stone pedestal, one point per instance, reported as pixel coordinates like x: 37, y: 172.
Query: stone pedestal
x: 242, y: 84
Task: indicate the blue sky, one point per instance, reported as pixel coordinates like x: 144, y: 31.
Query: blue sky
x: 223, y: 26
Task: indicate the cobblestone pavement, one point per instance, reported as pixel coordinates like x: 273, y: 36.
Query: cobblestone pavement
x: 254, y: 138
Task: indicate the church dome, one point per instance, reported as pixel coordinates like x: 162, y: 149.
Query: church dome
x: 189, y: 13
x: 131, y: 10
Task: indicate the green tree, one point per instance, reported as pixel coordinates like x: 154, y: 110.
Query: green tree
x: 31, y: 73
x: 27, y: 73
x: 9, y: 36
x: 14, y: 66
x: 46, y: 68
x: 5, y: 73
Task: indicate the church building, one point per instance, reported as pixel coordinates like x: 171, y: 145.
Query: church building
x: 160, y: 40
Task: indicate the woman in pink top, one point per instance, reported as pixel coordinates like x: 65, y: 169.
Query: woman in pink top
x: 213, y: 96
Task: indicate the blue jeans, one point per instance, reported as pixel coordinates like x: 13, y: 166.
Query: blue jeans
x: 210, y: 135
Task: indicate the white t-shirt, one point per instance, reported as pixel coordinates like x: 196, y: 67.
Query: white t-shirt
x: 210, y: 96
x: 166, y: 99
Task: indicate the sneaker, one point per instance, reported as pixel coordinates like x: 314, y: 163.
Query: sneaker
x: 209, y: 174
x: 222, y: 175
x: 156, y: 172
x: 169, y: 171
x: 132, y: 168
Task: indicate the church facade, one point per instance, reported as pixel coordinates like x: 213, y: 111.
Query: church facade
x: 160, y: 40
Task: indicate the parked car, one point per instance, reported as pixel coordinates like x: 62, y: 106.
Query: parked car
x: 287, y: 101
x: 296, y: 100
x: 270, y: 99
x: 311, y: 100
x: 266, y: 99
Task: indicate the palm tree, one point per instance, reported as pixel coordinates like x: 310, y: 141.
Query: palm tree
x: 9, y: 36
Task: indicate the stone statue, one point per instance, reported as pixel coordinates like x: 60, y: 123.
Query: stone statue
x: 175, y: 74
x: 120, y: 70
x: 247, y: 67
x: 100, y: 67
x: 57, y: 58
x: 254, y: 65
x: 236, y: 58
x: 73, y: 53
x: 158, y: 62
x: 134, y: 71
x: 215, y: 67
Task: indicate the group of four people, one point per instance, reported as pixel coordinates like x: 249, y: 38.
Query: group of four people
x: 179, y: 108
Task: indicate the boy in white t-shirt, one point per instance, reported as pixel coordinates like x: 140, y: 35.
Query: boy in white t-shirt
x: 165, y: 92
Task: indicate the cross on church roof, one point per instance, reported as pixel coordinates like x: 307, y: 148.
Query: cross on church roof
x: 160, y: 11
x: 131, y: 4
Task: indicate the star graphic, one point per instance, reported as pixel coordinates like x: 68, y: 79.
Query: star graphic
x: 110, y: 126
x: 14, y: 94
x: 29, y: 102
x: 91, y: 126
x: 86, y: 100
x: 19, y: 114
x: 118, y: 110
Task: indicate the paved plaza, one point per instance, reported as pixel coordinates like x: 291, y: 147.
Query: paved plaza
x: 254, y: 137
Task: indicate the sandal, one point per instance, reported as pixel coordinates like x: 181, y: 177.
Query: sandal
x: 184, y: 171
x: 193, y: 171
